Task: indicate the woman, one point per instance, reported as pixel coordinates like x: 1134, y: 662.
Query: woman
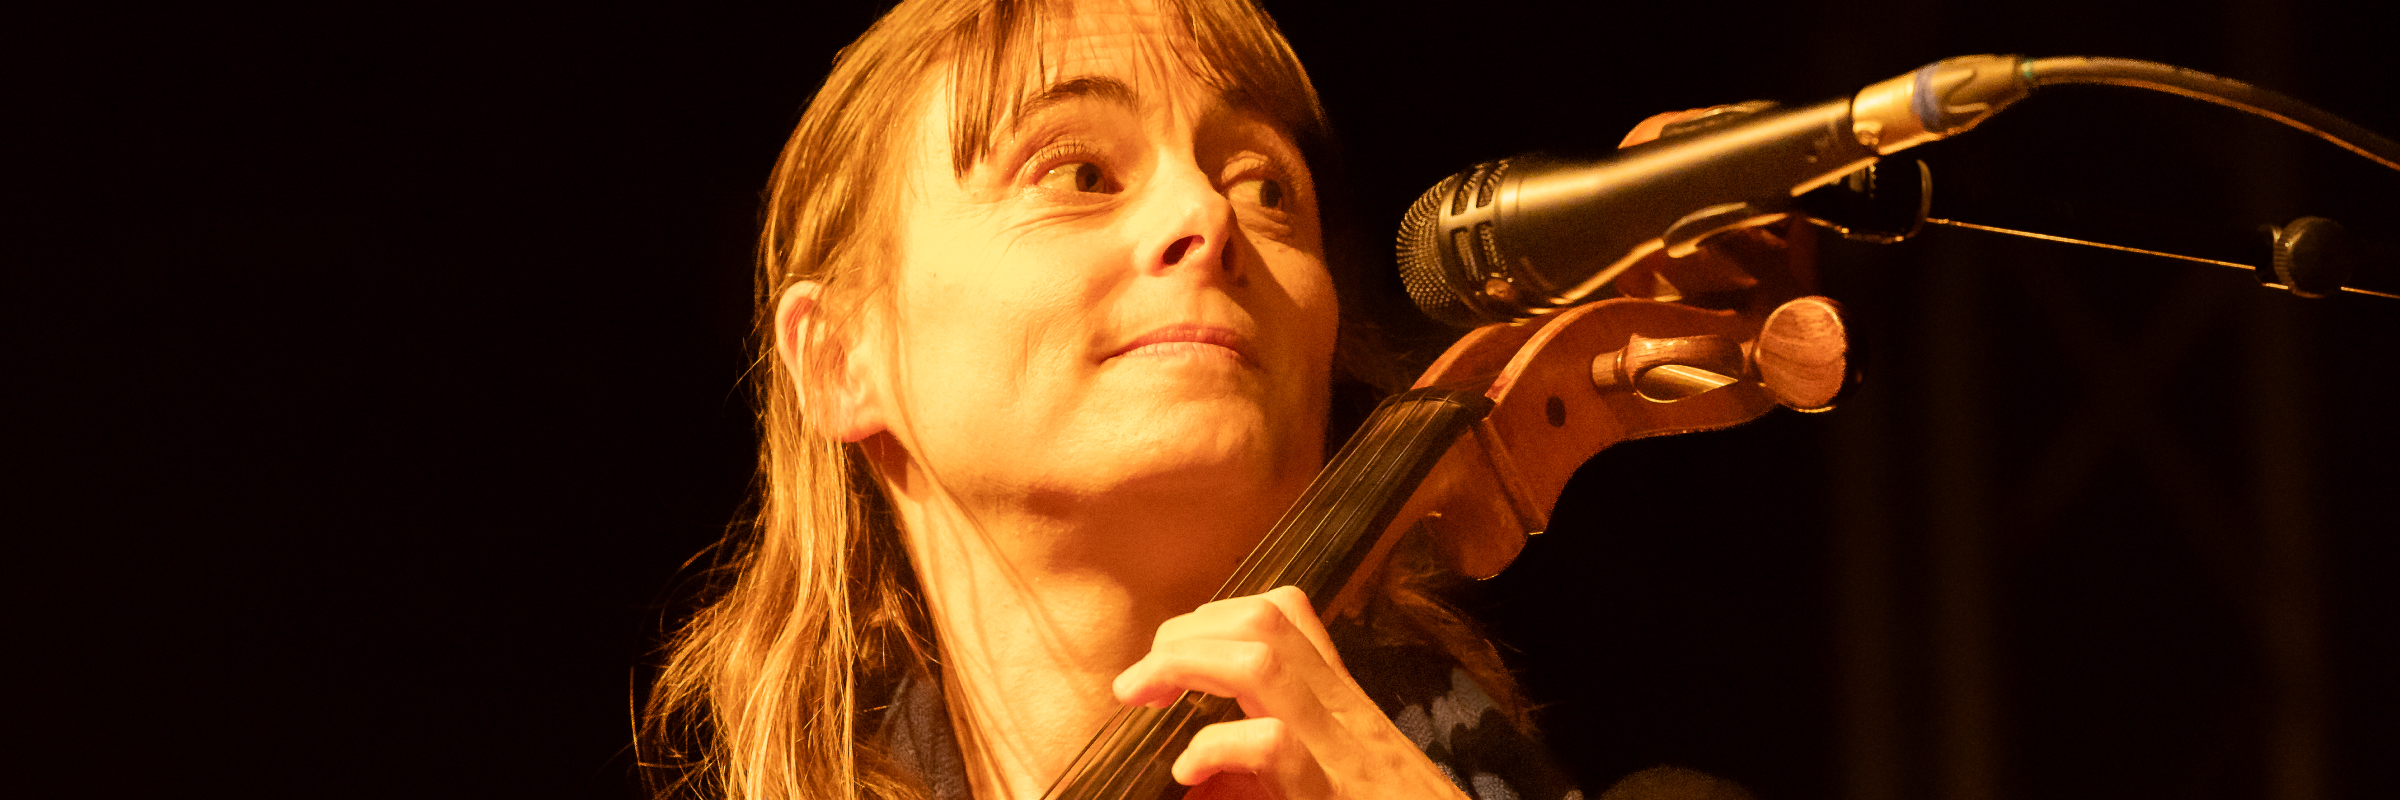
x: 1049, y: 334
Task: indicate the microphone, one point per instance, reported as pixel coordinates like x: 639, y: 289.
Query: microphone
x: 1525, y: 236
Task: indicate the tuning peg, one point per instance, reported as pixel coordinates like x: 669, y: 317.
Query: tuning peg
x: 1803, y: 354
x: 1667, y: 370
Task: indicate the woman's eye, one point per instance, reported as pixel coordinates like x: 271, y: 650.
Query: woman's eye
x: 1079, y: 176
x: 1262, y: 192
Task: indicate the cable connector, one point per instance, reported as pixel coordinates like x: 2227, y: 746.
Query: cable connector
x: 1941, y: 99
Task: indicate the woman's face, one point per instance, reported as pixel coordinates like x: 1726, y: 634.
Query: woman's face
x: 1126, y: 296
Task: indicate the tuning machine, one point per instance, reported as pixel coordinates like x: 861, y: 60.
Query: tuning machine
x: 1802, y: 355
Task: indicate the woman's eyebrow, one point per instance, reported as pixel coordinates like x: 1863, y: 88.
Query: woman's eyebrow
x: 1096, y: 87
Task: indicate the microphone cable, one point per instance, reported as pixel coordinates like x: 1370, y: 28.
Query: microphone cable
x: 2171, y: 79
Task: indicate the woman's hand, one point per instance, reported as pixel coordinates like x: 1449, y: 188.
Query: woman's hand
x: 1310, y: 731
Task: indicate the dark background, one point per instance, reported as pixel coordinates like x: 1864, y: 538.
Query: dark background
x: 377, y: 369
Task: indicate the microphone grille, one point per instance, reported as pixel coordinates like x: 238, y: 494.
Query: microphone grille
x: 1420, y: 255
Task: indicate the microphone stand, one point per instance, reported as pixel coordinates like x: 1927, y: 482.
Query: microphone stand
x: 2312, y: 257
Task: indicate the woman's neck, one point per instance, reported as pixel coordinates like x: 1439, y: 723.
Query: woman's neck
x: 1039, y: 604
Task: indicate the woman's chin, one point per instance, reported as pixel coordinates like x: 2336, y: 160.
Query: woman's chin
x: 1212, y: 476
x: 1162, y: 460
x: 1199, y: 375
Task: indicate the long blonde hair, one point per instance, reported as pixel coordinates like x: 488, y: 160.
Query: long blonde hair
x: 816, y: 612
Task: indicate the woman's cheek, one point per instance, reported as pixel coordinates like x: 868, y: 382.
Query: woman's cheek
x: 1323, y: 309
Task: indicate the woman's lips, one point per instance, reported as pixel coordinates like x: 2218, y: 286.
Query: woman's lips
x: 1188, y: 339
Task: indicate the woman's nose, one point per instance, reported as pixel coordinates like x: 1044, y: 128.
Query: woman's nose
x: 1191, y: 230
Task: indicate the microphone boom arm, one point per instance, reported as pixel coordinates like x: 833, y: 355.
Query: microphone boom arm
x: 1530, y: 235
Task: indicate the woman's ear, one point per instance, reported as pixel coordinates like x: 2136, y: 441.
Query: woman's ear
x: 828, y: 367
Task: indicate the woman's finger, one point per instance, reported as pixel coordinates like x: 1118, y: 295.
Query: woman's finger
x: 1302, y: 616
x: 1299, y: 645
x: 1266, y: 680
x: 1310, y: 733
x: 1263, y: 747
x: 1280, y: 616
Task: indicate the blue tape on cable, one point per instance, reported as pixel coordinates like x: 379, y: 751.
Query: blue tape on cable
x: 1920, y: 100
